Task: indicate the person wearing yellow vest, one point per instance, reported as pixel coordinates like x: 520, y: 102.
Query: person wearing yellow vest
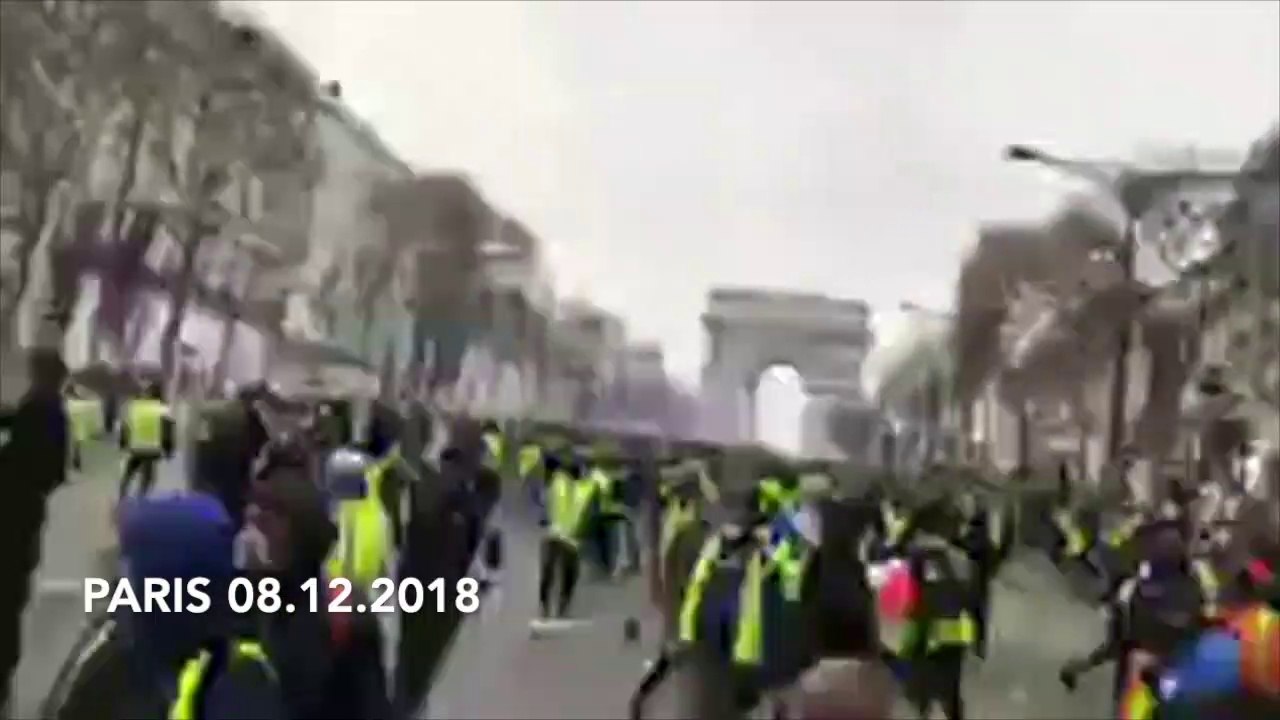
x: 683, y: 491
x: 983, y: 538
x: 195, y: 665
x: 494, y: 447
x: 84, y: 415
x: 1152, y: 613
x: 778, y: 492
x: 722, y: 612
x: 362, y: 552
x: 893, y: 524
x: 941, y: 630
x: 146, y: 436
x: 572, y: 498
x: 529, y: 462
x: 617, y: 542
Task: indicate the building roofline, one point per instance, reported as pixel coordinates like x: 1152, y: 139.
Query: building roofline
x: 363, y: 131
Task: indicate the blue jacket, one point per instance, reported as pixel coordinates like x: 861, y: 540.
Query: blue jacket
x: 182, y: 537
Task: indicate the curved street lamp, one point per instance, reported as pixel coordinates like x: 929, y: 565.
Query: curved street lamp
x: 1136, y: 192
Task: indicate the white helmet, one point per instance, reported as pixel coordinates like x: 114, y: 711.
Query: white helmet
x: 344, y: 473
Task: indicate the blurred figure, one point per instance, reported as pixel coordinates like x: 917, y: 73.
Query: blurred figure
x: 940, y: 632
x: 435, y: 546
x: 1151, y: 615
x: 571, y: 500
x: 351, y: 482
x: 230, y: 436
x: 191, y: 665
x: 147, y: 436
x: 330, y: 665
x: 85, y: 415
x: 394, y: 474
x: 34, y: 462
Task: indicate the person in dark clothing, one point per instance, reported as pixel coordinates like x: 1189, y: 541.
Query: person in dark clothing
x: 330, y: 666
x: 230, y: 437
x: 180, y: 538
x: 1150, y: 615
x: 840, y: 603
x: 442, y: 532
x: 981, y: 540
x: 383, y: 445
x: 33, y: 463
x: 935, y: 655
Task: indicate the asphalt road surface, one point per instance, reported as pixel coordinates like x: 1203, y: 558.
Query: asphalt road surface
x: 496, y: 670
x: 79, y: 542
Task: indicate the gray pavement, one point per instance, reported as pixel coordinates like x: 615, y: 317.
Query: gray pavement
x: 496, y: 671
x: 78, y: 542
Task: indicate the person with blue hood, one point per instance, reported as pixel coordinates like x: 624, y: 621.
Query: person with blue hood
x: 184, y: 664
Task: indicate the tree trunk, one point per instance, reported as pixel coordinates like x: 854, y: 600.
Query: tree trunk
x: 179, y: 298
x: 58, y: 287
x: 33, y: 214
x: 366, y: 329
x: 225, y: 343
x: 229, y: 328
x: 120, y: 207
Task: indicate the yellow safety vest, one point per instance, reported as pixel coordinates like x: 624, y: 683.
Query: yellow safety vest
x: 530, y: 456
x: 145, y: 419
x: 748, y: 643
x: 1207, y: 577
x: 895, y: 523
x: 1077, y: 543
x: 775, y: 498
x: 956, y: 628
x: 493, y: 451
x: 946, y: 628
x: 364, y: 533
x: 568, y: 502
x: 678, y: 515
x: 605, y: 481
x: 192, y: 677
x: 791, y: 560
x: 951, y: 632
x: 85, y: 417
x: 1125, y: 532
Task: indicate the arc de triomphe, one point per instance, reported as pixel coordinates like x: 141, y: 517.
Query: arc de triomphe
x: 749, y: 331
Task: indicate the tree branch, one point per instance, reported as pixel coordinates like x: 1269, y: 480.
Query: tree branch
x: 56, y: 95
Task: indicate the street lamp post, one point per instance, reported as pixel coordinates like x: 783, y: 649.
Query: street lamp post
x: 1136, y: 192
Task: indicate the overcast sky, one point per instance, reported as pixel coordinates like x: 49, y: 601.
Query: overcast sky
x: 662, y: 148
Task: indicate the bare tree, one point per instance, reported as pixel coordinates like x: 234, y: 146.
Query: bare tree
x: 59, y: 84
x: 147, y: 72
x: 225, y: 119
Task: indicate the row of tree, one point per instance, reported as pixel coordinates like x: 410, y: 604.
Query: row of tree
x: 92, y: 92
x: 126, y: 120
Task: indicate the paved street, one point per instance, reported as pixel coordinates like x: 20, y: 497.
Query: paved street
x: 497, y: 671
x: 78, y: 543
